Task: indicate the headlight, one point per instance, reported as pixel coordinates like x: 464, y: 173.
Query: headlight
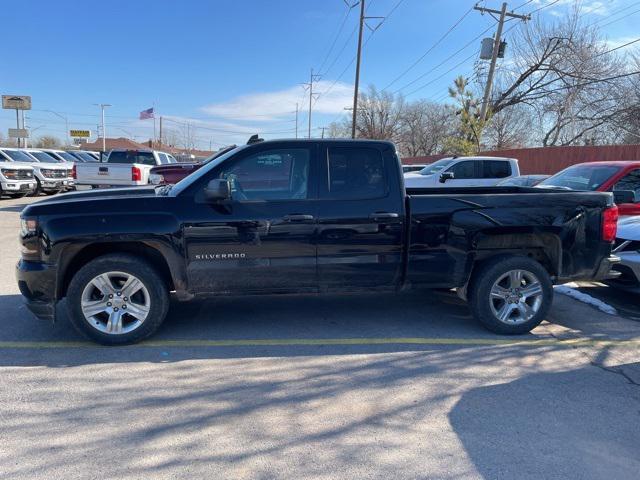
x: 12, y: 174
x: 28, y: 226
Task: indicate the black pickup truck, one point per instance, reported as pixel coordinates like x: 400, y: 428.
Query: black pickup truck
x: 306, y: 216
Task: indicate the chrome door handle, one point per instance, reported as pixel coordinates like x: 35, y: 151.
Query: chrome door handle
x: 297, y: 217
x: 383, y: 215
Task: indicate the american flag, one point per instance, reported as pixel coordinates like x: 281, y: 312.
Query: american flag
x: 146, y: 114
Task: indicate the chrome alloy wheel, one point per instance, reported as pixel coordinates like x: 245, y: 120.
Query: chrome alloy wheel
x: 516, y: 297
x: 115, y: 303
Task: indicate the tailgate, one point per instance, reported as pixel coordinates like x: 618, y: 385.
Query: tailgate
x: 104, y: 173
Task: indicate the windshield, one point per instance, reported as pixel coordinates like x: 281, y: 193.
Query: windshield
x: 67, y: 156
x: 43, y: 157
x: 85, y: 157
x: 580, y: 177
x: 436, y: 166
x: 18, y: 156
x: 189, y: 179
x: 219, y: 153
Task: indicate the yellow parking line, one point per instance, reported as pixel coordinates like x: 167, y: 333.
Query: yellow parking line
x: 335, y: 341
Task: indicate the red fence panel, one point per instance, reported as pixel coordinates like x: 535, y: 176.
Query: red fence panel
x: 550, y: 160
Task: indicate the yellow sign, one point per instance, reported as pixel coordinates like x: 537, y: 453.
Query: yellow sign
x: 80, y: 133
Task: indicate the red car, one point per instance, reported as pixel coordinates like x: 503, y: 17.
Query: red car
x: 174, y: 172
x: 601, y: 177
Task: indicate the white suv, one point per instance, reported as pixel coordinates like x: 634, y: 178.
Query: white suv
x: 463, y: 172
x: 50, y: 177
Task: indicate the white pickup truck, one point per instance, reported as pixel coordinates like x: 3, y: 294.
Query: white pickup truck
x: 463, y: 172
x: 121, y: 168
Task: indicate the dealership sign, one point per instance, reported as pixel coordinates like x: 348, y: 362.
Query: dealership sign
x: 16, y: 102
x: 18, y: 133
x: 80, y: 133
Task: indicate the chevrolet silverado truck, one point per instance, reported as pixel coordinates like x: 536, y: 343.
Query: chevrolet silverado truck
x: 306, y: 216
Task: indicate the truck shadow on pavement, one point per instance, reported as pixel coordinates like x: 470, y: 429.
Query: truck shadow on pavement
x: 13, y: 208
x: 574, y: 424
x: 420, y: 314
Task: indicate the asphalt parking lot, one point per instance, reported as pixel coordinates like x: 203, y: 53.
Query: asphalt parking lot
x: 384, y: 386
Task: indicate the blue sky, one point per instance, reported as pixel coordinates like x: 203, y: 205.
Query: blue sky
x: 235, y: 67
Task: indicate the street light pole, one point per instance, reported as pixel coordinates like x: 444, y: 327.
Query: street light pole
x: 104, y: 132
x: 66, y: 123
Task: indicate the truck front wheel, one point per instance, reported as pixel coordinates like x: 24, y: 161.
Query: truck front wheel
x: 117, y: 299
x: 510, y: 295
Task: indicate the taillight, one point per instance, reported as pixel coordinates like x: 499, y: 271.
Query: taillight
x: 136, y: 174
x: 610, y: 224
x: 74, y: 174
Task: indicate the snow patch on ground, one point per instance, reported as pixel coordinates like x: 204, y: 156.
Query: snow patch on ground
x: 569, y: 289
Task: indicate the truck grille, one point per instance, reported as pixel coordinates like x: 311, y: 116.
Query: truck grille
x: 55, y: 173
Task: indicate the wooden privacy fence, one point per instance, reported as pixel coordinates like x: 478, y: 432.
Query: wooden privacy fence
x: 550, y: 160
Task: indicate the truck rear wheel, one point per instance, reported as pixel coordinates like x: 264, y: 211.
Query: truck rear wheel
x: 510, y: 295
x: 117, y: 299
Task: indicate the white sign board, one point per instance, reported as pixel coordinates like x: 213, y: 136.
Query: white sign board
x: 18, y: 133
x: 79, y: 141
x: 16, y: 102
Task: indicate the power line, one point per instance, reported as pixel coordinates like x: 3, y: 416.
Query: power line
x: 624, y: 17
x: 608, y: 17
x: 337, y: 35
x: 430, y: 49
x: 447, y: 60
x: 445, y: 73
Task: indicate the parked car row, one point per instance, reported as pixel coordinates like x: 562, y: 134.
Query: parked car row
x: 30, y: 171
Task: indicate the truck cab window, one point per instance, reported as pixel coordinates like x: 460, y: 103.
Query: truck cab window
x: 495, y: 169
x: 278, y: 174
x: 355, y: 173
x: 631, y: 181
x: 463, y: 170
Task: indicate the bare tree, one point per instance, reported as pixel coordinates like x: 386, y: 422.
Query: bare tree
x: 425, y: 127
x: 564, y: 72
x: 512, y: 127
x: 47, y: 141
x: 379, y: 115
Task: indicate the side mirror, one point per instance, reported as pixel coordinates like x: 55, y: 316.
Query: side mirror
x: 444, y: 176
x: 624, y: 196
x: 218, y: 190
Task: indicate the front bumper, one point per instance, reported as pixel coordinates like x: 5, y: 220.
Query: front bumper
x: 50, y: 184
x: 37, y: 283
x: 628, y: 271
x: 18, y: 186
x: 606, y: 269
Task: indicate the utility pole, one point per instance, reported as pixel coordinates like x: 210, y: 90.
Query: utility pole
x: 296, y: 119
x: 496, y: 47
x: 104, y: 132
x: 312, y: 79
x: 357, y: 85
x: 322, y: 132
x: 161, y: 130
x: 363, y: 19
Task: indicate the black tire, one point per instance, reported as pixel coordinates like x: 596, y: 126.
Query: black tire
x: 130, y: 264
x: 481, y: 300
x: 38, y: 189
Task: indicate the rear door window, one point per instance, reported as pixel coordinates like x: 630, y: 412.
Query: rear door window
x: 354, y: 173
x: 495, y: 169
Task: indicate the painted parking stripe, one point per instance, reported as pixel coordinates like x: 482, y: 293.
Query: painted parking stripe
x: 275, y: 342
